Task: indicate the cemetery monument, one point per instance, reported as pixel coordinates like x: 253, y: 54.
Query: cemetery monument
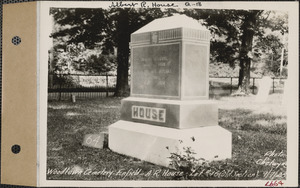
x: 263, y: 89
x: 168, y: 106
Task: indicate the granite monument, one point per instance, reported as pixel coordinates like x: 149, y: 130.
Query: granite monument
x: 168, y: 106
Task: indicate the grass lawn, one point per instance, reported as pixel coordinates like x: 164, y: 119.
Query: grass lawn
x: 258, y: 138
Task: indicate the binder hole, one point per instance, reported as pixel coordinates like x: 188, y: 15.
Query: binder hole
x: 16, y: 40
x: 16, y: 149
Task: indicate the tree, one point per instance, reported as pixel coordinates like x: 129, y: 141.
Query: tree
x: 80, y: 25
x: 233, y: 34
x: 224, y: 26
x: 248, y: 28
x: 123, y: 23
x: 122, y: 39
x: 106, y: 28
x: 100, y: 63
x: 268, y: 51
x: 271, y: 45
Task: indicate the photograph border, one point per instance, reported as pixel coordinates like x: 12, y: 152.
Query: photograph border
x: 292, y: 110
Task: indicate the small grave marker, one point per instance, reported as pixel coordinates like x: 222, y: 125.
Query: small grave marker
x: 94, y: 140
x: 264, y: 89
x: 73, y: 98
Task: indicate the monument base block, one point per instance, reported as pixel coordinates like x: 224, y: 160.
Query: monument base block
x: 175, y: 113
x: 155, y: 144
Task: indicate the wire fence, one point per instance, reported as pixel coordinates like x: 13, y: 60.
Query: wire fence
x: 64, y: 86
x: 231, y: 83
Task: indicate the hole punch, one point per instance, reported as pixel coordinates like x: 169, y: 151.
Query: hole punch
x: 16, y: 40
x: 16, y: 149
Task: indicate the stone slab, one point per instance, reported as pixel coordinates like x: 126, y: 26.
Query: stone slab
x: 170, y: 62
x: 94, y: 140
x: 171, y: 23
x: 195, y: 74
x: 263, y: 89
x: 150, y: 143
x: 170, y: 113
x: 156, y: 71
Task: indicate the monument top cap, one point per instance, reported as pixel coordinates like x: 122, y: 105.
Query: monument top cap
x: 172, y: 22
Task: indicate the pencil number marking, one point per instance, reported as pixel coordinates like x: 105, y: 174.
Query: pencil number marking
x: 274, y: 183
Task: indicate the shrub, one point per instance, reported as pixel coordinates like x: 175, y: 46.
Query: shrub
x: 185, y: 162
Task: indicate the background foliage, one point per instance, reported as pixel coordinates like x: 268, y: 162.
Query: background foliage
x: 97, y: 40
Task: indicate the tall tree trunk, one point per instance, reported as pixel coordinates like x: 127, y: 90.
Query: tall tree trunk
x: 248, y: 28
x: 122, y: 87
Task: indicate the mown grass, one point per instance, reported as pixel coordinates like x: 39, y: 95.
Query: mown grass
x: 253, y: 135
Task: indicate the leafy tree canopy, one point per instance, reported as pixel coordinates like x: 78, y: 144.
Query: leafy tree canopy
x: 238, y: 36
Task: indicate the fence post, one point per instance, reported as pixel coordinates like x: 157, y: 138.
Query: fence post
x: 273, y: 85
x: 230, y: 85
x: 253, y: 85
x: 60, y: 86
x: 106, y: 85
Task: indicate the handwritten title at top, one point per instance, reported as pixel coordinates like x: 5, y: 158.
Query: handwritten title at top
x: 144, y: 4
